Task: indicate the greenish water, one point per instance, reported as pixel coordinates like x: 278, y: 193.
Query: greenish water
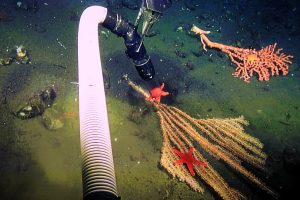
x: 37, y: 163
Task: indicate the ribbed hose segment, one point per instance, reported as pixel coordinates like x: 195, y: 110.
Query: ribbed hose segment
x: 97, y: 162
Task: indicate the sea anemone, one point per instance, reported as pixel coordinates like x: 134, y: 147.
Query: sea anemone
x: 20, y: 51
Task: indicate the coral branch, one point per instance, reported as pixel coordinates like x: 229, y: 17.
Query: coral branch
x: 224, y: 139
x: 264, y: 63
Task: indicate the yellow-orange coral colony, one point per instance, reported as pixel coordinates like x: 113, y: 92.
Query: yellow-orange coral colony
x: 265, y: 62
x: 224, y: 139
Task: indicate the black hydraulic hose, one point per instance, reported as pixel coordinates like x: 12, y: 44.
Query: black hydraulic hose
x: 133, y: 42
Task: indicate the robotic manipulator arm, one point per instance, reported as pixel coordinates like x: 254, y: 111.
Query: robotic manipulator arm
x: 135, y: 49
x: 151, y: 10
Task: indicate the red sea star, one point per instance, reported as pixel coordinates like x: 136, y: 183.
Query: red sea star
x: 157, y: 93
x: 188, y: 159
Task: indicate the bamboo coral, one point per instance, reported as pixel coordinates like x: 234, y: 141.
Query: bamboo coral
x: 224, y: 139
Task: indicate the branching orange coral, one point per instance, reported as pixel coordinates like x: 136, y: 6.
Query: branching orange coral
x: 265, y: 62
x: 223, y: 139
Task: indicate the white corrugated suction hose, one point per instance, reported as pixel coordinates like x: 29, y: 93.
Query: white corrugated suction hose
x: 97, y: 161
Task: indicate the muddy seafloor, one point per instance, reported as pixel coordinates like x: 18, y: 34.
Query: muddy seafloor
x: 38, y: 163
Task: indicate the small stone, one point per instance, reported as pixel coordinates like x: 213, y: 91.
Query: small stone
x: 53, y: 119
